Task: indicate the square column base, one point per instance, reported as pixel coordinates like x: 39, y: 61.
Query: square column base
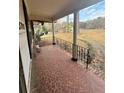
x: 74, y: 59
x: 54, y: 43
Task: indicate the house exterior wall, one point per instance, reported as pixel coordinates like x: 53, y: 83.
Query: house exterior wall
x: 23, y: 44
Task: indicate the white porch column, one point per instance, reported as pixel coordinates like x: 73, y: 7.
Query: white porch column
x: 74, y: 50
x: 67, y: 27
x: 53, y: 32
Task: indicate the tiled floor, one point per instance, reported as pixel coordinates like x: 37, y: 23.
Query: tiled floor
x: 54, y: 72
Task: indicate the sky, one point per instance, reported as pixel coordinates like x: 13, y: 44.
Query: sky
x: 92, y: 12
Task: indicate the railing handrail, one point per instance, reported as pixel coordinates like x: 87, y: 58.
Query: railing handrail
x: 71, y: 43
x: 81, y: 52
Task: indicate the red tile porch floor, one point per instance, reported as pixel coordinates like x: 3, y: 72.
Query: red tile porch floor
x: 53, y: 71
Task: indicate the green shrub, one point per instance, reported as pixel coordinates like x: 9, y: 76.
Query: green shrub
x: 45, y: 30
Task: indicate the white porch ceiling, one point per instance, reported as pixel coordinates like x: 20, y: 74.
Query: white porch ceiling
x: 48, y: 10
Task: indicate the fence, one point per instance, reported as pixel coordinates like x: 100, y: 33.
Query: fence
x: 82, y: 54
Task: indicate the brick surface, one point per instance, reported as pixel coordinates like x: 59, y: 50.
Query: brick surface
x: 53, y: 71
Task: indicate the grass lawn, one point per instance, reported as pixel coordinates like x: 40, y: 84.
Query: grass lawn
x: 92, y: 38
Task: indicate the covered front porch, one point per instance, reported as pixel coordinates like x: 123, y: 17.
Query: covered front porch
x: 50, y: 69
x: 54, y: 72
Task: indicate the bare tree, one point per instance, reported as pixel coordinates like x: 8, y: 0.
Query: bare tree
x: 98, y: 23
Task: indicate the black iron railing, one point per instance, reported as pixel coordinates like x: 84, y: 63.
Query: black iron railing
x: 64, y: 44
x: 82, y: 54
